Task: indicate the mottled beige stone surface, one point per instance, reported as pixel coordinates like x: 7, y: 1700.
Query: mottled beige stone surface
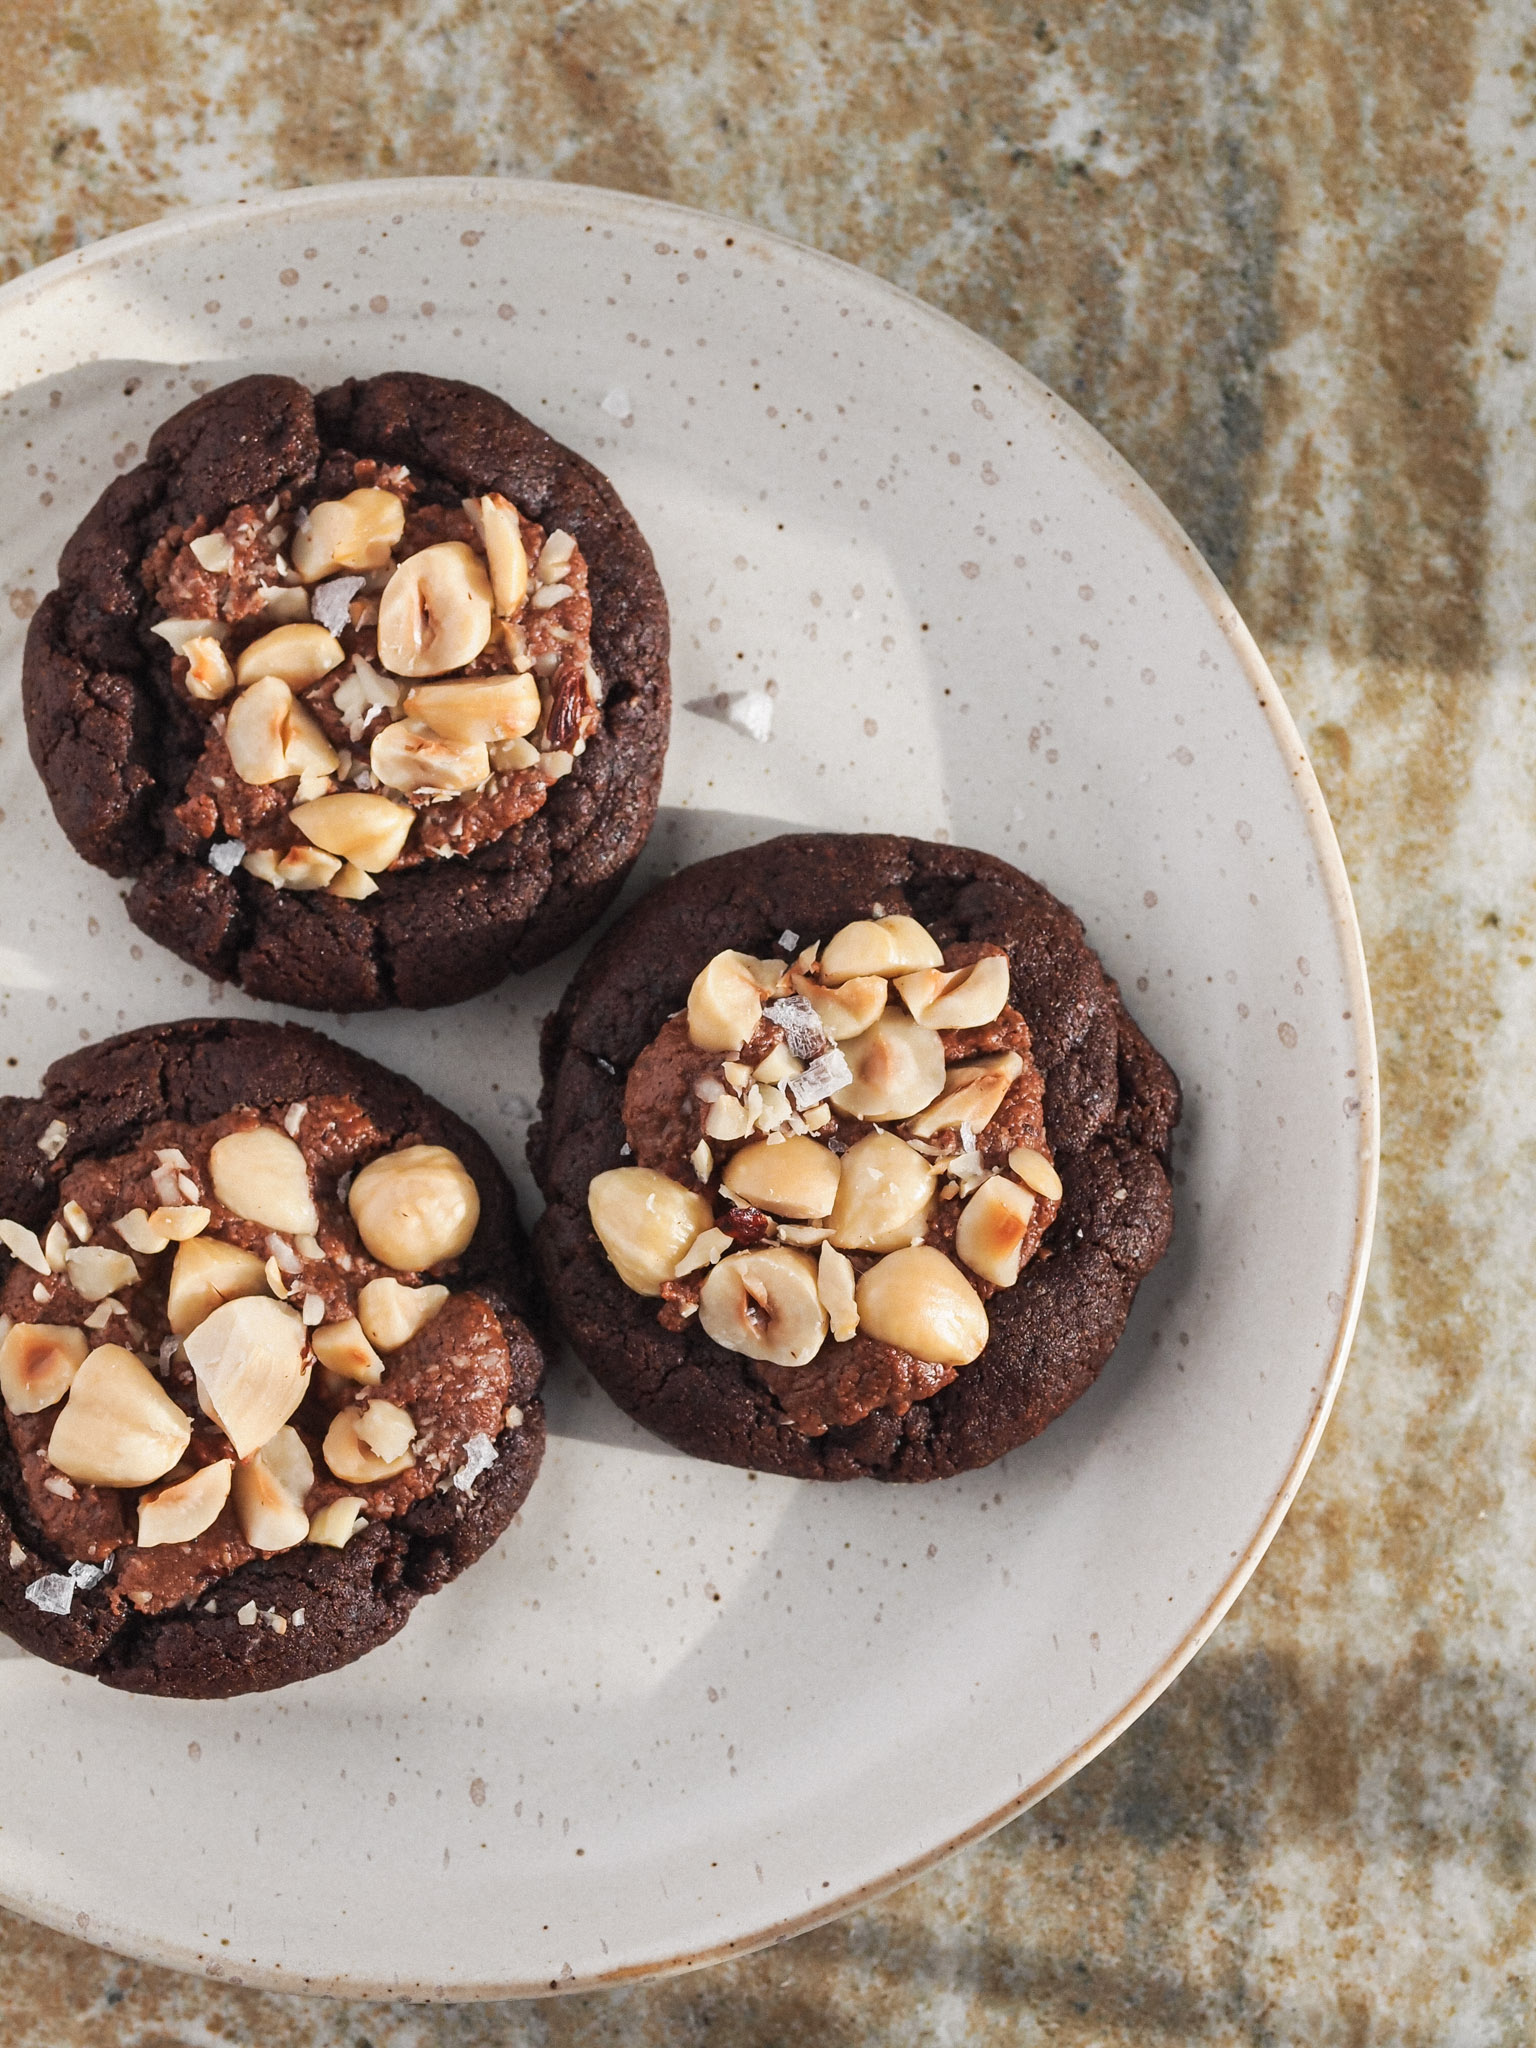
x: 1280, y: 253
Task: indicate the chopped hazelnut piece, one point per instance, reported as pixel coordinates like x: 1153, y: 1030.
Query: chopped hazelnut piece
x: 993, y: 1225
x: 798, y: 1179
x: 205, y: 1274
x: 897, y: 1066
x: 362, y: 828
x: 336, y: 1524
x: 370, y: 1443
x: 645, y: 1222
x: 973, y: 1094
x: 390, y: 1314
x: 488, y: 709
x: 118, y: 1426
x: 343, y: 1348
x: 297, y: 655
x: 1036, y: 1171
x: 920, y: 1301
x: 269, y: 1490
x: 960, y: 1001
x: 883, y: 1195
x: 176, y: 1514
x: 38, y: 1363
x: 358, y: 531
x: 883, y: 945
x: 251, y: 1374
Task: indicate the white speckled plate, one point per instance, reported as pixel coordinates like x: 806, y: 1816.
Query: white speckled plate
x: 682, y: 1710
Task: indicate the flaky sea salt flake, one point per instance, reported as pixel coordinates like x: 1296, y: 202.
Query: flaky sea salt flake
x: 54, y: 1592
x: 328, y: 602
x: 821, y: 1079
x: 225, y: 855
x: 801, y: 1027
x: 479, y: 1456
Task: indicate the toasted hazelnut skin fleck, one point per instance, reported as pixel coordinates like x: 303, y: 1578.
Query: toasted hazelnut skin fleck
x: 261, y: 1175
x: 415, y: 1208
x: 765, y: 1305
x: 645, y: 1222
x: 920, y: 1301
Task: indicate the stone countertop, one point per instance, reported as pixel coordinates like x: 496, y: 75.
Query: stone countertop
x: 1277, y: 253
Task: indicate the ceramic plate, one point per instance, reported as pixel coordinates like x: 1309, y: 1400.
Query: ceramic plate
x: 682, y: 1710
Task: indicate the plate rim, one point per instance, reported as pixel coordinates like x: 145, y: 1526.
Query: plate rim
x: 558, y: 196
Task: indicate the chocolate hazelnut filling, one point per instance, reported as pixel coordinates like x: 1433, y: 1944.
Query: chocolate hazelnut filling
x: 240, y: 1337
x: 834, y: 1163
x: 371, y: 679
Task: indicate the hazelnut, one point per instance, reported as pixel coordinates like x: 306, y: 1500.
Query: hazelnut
x: 645, y: 1222
x: 205, y: 1274
x: 798, y: 1179
x: 177, y: 1224
x: 489, y: 709
x: 845, y: 1011
x: 251, y: 1373
x: 764, y: 1304
x: 883, y: 1195
x: 353, y: 884
x: 769, y: 1073
x: 502, y: 532
x: 301, y: 867
x: 725, y: 1003
x: 509, y: 756
x: 139, y: 1234
x: 177, y: 1514
x: 435, y: 612
x: 707, y: 1249
x: 835, y: 1286
x: 96, y: 1271
x: 973, y: 1094
x: 269, y: 1490
x: 366, y: 1444
x: 342, y: 1348
x: 1036, y: 1171
x: 882, y: 945
x: 354, y: 532
x: 209, y: 675
x: 336, y: 1523
x: 921, y: 1302
x: 897, y: 1068
x: 415, y: 1207
x: 38, y: 1361
x: 991, y: 1231
x: 391, y: 1314
x: 409, y: 757
x: 119, y: 1427
x: 727, y: 1119
x: 297, y: 655
x: 261, y: 1175
x: 364, y: 829
x: 960, y: 1001
x: 271, y: 735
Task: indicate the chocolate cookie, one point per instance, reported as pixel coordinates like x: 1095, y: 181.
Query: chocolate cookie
x: 265, y: 1371
x: 854, y: 1159
x: 369, y: 690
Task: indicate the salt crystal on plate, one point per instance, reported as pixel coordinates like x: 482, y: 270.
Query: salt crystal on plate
x: 616, y: 404
x: 752, y: 713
